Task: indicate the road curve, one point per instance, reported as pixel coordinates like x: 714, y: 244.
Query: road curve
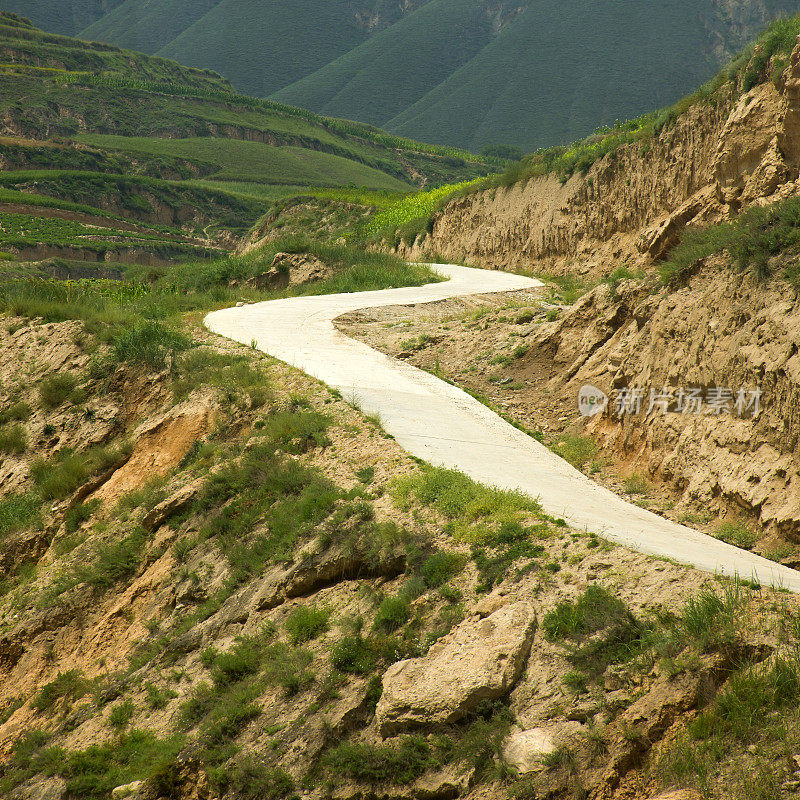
x: 445, y: 426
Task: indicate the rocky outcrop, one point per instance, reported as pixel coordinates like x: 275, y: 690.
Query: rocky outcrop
x: 290, y: 269
x: 480, y: 660
x: 721, y: 330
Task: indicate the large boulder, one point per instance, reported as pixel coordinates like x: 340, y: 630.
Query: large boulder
x: 479, y: 660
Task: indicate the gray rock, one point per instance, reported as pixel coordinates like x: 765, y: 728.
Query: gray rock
x: 479, y: 660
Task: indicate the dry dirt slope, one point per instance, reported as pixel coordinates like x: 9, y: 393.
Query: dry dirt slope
x: 248, y: 591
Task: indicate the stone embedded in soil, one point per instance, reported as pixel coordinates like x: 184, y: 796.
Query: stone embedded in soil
x: 479, y: 660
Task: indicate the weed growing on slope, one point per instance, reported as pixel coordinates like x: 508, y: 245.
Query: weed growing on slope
x: 56, y: 389
x: 13, y: 439
x: 61, y: 475
x: 19, y: 511
x: 760, y: 239
x: 305, y: 623
x: 398, y: 764
x: 70, y: 685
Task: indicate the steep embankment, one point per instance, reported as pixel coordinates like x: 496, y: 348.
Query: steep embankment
x: 632, y: 204
x: 712, y: 327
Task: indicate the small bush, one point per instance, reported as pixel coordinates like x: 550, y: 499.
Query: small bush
x: 575, y: 682
x: 67, y: 470
x: 13, y: 439
x: 148, y: 343
x: 297, y: 431
x: 305, y: 623
x: 392, y: 614
x: 354, y: 655
x: 16, y: 412
x: 578, y: 450
x: 739, y: 534
x: 441, y: 567
x: 71, y: 685
x: 19, y: 511
x: 288, y: 667
x: 399, y: 764
x: 243, y: 659
x: 80, y: 513
x: 636, y: 484
x: 594, y: 610
x: 251, y: 779
x: 122, y: 714
x: 91, y: 774
x: 55, y: 389
x: 158, y: 698
x: 114, y: 561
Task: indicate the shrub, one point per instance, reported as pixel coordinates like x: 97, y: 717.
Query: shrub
x: 305, y: 623
x: 594, y: 610
x: 13, y: 439
x: 739, y: 534
x: 137, y: 755
x: 393, y: 613
x: 121, y: 714
x: 297, y: 431
x: 55, y: 389
x: 243, y: 659
x: 78, y: 514
x: 288, y: 667
x: 18, y: 511
x: 575, y: 681
x: 149, y: 343
x: 67, y: 470
x: 158, y: 698
x: 578, y: 450
x: 16, y: 412
x: 711, y: 619
x: 251, y: 779
x: 354, y: 655
x: 114, y: 561
x: 71, y: 685
x: 398, y: 764
x: 440, y: 567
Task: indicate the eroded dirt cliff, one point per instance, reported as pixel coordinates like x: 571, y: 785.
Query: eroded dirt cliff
x: 631, y: 206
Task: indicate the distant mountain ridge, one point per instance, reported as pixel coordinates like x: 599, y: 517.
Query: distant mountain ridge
x: 464, y: 72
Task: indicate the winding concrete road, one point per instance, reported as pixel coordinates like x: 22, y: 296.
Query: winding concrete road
x: 445, y: 426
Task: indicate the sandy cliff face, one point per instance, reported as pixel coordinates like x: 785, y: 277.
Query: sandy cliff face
x: 631, y: 205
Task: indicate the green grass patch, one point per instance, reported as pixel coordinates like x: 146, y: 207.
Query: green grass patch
x: 19, y: 511
x: 305, y: 623
x: 13, y: 439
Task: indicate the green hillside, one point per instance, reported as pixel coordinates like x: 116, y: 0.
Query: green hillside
x: 463, y: 72
x: 63, y: 16
x: 531, y: 87
x: 378, y: 80
x: 552, y: 74
x: 109, y: 155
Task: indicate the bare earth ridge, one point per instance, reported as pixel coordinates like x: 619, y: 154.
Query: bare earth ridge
x: 445, y: 426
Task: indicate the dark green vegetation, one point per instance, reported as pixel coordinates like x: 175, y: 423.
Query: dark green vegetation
x: 765, y: 241
x: 764, y: 60
x: 482, y: 73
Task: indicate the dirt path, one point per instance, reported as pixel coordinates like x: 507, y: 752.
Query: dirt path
x: 445, y: 426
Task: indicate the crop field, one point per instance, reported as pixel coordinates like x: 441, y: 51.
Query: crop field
x: 243, y: 161
x: 27, y: 230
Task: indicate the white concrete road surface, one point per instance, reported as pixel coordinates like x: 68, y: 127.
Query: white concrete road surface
x: 446, y: 427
